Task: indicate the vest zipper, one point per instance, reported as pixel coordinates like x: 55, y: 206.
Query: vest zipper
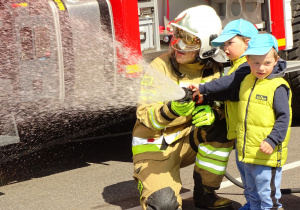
x: 245, y: 121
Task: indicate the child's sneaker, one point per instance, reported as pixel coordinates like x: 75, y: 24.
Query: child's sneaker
x: 245, y: 207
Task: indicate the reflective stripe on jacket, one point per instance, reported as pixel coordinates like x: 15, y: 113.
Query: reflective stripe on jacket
x: 140, y: 145
x: 256, y: 119
x: 155, y: 120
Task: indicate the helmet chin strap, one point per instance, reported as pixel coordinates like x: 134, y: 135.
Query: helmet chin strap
x: 175, y: 67
x: 207, y: 62
x: 198, y: 59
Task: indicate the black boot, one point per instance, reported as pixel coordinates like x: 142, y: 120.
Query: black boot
x: 208, y: 199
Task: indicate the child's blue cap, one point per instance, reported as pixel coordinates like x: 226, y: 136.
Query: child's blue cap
x: 233, y: 28
x: 261, y: 44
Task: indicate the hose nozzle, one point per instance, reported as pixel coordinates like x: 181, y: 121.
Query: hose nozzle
x: 188, y: 95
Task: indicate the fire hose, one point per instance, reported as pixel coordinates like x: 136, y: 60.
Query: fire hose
x: 240, y: 184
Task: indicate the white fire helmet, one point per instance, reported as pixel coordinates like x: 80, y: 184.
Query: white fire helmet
x: 194, y: 29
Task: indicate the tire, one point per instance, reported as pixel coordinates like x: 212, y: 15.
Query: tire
x: 293, y: 78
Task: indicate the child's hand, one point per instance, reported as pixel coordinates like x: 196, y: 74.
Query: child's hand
x: 265, y: 147
x: 196, y: 92
x: 194, y: 87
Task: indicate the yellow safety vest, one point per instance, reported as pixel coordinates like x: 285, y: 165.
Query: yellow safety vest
x: 231, y: 107
x: 256, y: 119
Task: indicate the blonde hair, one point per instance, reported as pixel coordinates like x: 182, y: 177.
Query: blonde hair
x: 275, y: 53
x: 243, y: 38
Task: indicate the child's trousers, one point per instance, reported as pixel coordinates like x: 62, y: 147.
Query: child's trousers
x: 262, y: 185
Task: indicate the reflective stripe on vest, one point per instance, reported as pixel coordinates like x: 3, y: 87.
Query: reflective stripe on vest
x: 213, y: 159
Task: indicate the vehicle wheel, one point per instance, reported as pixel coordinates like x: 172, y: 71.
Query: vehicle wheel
x: 294, y: 54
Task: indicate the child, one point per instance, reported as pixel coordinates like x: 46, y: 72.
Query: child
x: 263, y: 128
x: 264, y: 119
x: 234, y: 37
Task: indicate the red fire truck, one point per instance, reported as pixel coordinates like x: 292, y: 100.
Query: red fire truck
x: 278, y: 17
x: 70, y: 68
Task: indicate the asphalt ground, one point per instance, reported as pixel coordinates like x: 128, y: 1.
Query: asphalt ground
x: 98, y: 175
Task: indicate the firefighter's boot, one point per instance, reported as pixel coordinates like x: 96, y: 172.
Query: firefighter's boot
x: 208, y: 199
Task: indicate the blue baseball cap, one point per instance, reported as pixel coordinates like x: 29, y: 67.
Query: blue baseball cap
x: 261, y: 44
x: 236, y: 27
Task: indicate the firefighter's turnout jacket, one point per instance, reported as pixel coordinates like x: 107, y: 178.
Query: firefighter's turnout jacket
x: 164, y: 142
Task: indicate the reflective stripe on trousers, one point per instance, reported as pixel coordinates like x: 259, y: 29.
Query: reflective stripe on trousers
x: 212, y: 159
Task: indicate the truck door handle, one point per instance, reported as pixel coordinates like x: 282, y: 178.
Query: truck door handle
x: 143, y: 39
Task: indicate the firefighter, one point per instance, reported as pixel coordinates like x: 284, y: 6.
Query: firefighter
x: 164, y: 136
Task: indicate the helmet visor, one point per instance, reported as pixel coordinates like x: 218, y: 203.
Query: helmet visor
x: 183, y: 40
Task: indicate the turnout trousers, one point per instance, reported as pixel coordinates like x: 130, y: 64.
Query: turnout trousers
x: 155, y: 171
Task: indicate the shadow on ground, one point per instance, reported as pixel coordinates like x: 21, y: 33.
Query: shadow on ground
x: 114, y: 194
x: 65, y: 157
x: 288, y: 201
x: 189, y: 204
x: 110, y: 193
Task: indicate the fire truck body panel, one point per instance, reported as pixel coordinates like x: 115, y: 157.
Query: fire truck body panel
x: 59, y: 75
x: 271, y: 16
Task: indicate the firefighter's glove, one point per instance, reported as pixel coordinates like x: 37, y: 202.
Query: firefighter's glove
x: 203, y: 115
x: 183, y: 109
